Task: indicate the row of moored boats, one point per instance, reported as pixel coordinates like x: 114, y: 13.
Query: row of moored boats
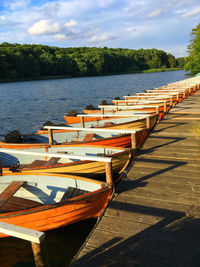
x: 66, y: 173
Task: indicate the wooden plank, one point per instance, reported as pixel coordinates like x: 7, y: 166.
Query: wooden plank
x: 18, y: 203
x: 88, y: 137
x: 22, y: 152
x: 125, y: 131
x: 52, y: 161
x: 21, y: 232
x: 154, y: 217
x: 10, y: 190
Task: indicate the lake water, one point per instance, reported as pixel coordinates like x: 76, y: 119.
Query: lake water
x: 27, y: 105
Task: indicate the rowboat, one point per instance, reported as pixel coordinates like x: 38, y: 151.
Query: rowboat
x: 165, y: 97
x: 136, y: 104
x: 118, y: 120
x: 163, y: 106
x: 68, y: 136
x: 62, y: 135
x: 87, y: 161
x: 177, y: 96
x: 76, y: 135
x: 43, y: 202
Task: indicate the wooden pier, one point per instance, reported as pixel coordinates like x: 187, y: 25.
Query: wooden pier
x: 154, y: 220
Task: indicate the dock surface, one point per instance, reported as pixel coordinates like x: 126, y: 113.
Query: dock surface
x: 154, y: 220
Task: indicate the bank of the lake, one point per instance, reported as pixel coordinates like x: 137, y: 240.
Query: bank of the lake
x: 41, y: 78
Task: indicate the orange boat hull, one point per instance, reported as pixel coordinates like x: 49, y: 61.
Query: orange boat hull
x: 48, y: 217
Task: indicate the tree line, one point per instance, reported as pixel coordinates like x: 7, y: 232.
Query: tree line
x: 193, y: 60
x: 25, y: 61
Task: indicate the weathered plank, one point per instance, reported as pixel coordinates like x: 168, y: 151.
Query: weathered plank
x: 154, y: 220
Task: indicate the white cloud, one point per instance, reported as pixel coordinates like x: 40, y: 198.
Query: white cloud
x: 12, y: 5
x: 191, y: 13
x: 180, y: 11
x: 2, y: 18
x: 44, y: 27
x: 71, y: 23
x: 177, y: 51
x: 154, y: 13
x: 140, y: 31
x: 60, y: 37
x: 101, y: 38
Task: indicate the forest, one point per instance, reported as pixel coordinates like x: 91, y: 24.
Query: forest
x: 26, y: 61
x: 192, y: 63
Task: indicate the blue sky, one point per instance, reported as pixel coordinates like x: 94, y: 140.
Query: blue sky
x: 134, y: 24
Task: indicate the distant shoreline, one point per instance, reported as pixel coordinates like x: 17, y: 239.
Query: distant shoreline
x: 70, y: 76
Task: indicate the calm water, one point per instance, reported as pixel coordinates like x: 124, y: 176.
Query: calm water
x: 25, y: 106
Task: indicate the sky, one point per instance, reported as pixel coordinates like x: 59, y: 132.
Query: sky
x: 133, y: 24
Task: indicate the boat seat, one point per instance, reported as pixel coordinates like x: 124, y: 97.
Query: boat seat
x: 9, y: 191
x: 52, y: 161
x: 19, y: 203
x: 13, y: 137
x: 108, y: 123
x: 39, y: 163
x: 73, y: 192
x: 88, y: 137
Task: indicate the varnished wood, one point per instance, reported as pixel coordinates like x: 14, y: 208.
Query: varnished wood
x: 88, y: 137
x: 133, y: 141
x: 50, y: 134
x: 10, y: 190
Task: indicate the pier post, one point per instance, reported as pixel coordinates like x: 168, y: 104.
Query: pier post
x: 157, y: 110
x: 133, y: 141
x: 148, y: 122
x: 40, y: 254
x: 50, y: 134
x: 109, y: 176
x: 165, y: 107
x: 171, y: 101
x: 82, y: 122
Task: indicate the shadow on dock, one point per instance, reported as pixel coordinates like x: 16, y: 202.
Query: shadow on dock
x: 173, y: 241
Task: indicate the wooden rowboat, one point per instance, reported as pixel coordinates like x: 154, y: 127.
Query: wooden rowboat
x: 117, y: 120
x: 105, y: 138
x: 70, y: 137
x: 48, y: 201
x: 37, y: 160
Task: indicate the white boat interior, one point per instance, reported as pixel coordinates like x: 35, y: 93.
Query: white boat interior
x: 47, y: 189
x: 11, y: 158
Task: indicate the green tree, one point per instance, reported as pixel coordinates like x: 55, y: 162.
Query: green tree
x: 193, y: 60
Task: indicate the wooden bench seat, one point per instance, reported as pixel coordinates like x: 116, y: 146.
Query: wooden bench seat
x: 73, y: 192
x: 9, y: 191
x: 88, y: 137
x: 36, y: 163
x: 13, y: 137
x: 106, y: 124
x: 18, y: 203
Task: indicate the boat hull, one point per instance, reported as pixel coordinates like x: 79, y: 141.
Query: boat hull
x: 48, y: 217
x: 90, y: 169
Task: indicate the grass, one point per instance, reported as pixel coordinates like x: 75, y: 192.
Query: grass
x: 160, y: 70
